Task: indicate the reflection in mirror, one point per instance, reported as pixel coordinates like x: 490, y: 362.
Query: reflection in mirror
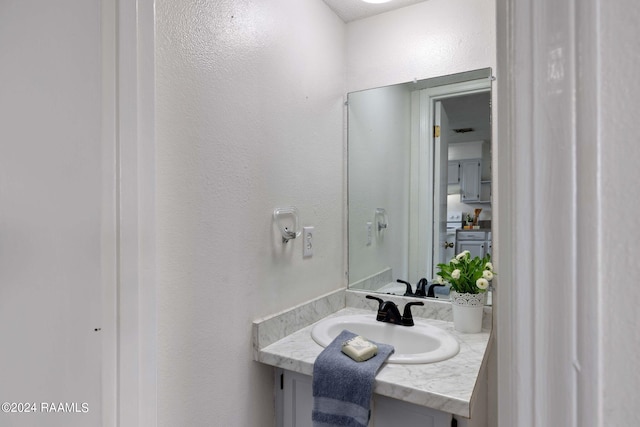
x: 421, y: 153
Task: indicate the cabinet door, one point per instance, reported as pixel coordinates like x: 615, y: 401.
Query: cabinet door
x: 470, y: 180
x: 297, y: 400
x: 389, y: 412
x: 476, y: 249
x: 453, y: 174
x: 488, y: 247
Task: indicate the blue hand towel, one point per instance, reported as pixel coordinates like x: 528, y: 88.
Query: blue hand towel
x: 342, y: 387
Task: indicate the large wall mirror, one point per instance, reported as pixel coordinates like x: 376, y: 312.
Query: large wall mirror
x: 419, y: 179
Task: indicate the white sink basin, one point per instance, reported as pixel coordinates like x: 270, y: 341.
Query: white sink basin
x: 421, y: 343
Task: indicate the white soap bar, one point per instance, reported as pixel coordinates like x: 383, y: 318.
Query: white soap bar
x: 359, y: 349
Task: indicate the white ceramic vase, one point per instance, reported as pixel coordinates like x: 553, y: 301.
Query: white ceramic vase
x: 467, y: 311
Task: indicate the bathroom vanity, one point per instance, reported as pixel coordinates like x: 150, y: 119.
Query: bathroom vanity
x: 421, y: 395
x: 294, y: 402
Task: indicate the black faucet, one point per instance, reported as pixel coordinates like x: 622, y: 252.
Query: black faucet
x: 421, y: 288
x: 407, y: 318
x: 430, y: 292
x: 388, y: 312
x: 409, y: 291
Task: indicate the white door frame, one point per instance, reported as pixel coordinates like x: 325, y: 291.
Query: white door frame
x: 549, y: 355
x: 129, y: 310
x: 423, y: 172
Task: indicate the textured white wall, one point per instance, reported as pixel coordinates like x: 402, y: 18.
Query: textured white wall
x: 429, y: 39
x: 249, y: 118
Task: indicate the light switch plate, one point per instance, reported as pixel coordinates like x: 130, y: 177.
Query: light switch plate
x: 307, y: 240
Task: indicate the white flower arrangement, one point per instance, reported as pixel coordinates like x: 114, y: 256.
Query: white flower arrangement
x: 467, y: 275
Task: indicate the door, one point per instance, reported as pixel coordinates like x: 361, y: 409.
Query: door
x: 441, y: 171
x: 450, y: 250
x: 426, y: 240
x: 56, y: 240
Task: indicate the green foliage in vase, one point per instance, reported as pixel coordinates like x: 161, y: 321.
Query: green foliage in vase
x: 466, y: 274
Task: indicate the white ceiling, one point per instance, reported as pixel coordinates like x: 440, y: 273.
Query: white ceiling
x: 469, y: 111
x: 351, y: 10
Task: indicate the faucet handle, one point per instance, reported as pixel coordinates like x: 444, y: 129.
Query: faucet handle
x: 407, y: 318
x: 421, y: 288
x: 431, y: 293
x: 409, y: 291
x: 387, y: 311
x: 380, y: 301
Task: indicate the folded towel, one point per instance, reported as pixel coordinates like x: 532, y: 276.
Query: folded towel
x: 342, y: 387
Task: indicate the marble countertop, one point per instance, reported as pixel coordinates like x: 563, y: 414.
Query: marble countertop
x: 446, y: 386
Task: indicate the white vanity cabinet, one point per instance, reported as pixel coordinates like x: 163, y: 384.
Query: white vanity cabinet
x: 440, y: 394
x: 294, y: 399
x: 294, y: 404
x: 389, y: 412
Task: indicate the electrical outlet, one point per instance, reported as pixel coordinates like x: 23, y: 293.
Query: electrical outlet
x: 369, y: 233
x: 307, y: 240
